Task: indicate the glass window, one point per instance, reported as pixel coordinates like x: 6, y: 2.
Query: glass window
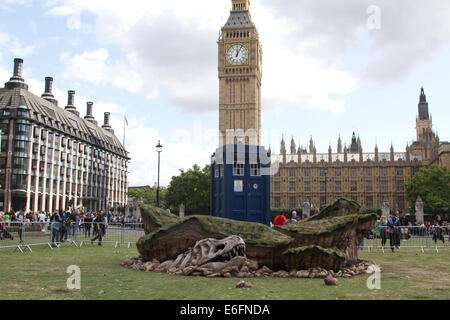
x: 322, y: 186
x: 384, y: 186
x: 338, y: 186
x: 277, y: 202
x: 276, y: 186
x: 291, y: 172
x: 353, y: 186
x: 292, y: 186
x: 307, y: 186
x: 255, y: 170
x: 292, y: 202
x: 307, y: 172
x: 369, y: 202
x: 216, y: 171
x: 238, y: 169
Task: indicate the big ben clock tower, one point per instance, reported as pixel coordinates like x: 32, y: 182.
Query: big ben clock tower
x: 240, y: 73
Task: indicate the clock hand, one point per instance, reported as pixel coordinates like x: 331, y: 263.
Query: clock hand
x: 237, y: 53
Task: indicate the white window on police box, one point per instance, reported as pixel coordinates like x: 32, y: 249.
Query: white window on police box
x: 222, y: 170
x: 216, y: 171
x: 255, y: 170
x: 238, y: 186
x: 238, y: 169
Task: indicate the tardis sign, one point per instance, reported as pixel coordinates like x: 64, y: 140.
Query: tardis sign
x: 240, y: 183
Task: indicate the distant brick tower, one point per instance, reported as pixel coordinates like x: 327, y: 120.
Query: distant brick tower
x: 240, y: 73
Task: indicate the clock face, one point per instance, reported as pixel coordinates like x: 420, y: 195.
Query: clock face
x: 237, y: 54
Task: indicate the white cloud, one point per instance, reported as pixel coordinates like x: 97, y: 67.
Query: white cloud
x: 94, y: 67
x: 9, y: 43
x: 171, y: 47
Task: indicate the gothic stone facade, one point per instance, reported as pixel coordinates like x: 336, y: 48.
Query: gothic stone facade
x: 52, y: 158
x: 368, y: 178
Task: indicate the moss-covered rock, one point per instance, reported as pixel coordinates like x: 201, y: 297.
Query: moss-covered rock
x: 341, y: 207
x: 155, y: 218
x: 342, y: 232
x: 262, y: 243
x: 312, y: 257
x: 328, y: 239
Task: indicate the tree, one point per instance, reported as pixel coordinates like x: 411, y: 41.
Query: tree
x: 191, y: 188
x: 433, y: 186
x: 148, y: 195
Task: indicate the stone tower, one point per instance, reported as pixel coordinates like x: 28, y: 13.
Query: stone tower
x: 427, y: 142
x: 424, y: 124
x: 240, y: 73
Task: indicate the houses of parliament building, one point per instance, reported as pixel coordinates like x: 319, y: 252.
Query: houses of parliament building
x: 368, y: 178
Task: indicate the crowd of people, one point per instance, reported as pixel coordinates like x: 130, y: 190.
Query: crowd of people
x: 283, y: 219
x: 64, y: 224
x: 397, y: 228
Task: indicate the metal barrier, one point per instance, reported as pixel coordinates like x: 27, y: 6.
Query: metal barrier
x: 25, y: 235
x: 408, y: 237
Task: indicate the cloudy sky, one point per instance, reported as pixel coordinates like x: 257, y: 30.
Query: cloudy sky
x: 330, y: 68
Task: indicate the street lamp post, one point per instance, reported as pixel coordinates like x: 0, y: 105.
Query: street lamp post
x: 159, y: 150
x: 326, y: 172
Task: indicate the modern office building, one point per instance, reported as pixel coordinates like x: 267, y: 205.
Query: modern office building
x: 52, y: 158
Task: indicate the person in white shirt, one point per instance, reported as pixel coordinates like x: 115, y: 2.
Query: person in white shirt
x: 42, y: 219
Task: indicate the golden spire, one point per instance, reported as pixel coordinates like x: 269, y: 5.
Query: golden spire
x: 240, y: 5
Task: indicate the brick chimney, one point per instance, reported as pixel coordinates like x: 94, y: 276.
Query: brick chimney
x: 48, y: 95
x: 106, y: 125
x: 17, y: 81
x: 70, y: 103
x: 89, y: 117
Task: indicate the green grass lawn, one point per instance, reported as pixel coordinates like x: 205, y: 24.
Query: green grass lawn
x: 407, y: 274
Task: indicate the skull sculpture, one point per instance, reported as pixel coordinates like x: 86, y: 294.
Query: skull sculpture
x: 212, y: 250
x: 216, y: 253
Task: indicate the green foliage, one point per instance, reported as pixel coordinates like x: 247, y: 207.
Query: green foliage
x: 149, y: 195
x: 157, y: 216
x: 433, y: 186
x: 191, y: 188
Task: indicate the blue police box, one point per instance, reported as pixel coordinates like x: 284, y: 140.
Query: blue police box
x: 240, y: 183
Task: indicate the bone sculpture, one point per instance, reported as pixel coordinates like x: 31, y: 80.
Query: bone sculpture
x: 208, y: 255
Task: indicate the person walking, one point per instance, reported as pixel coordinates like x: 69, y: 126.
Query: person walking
x: 438, y: 231
x: 87, y: 225
x: 56, y: 223
x: 392, y: 223
x: 42, y: 218
x: 99, y: 225
x: 403, y: 222
x: 383, y: 231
